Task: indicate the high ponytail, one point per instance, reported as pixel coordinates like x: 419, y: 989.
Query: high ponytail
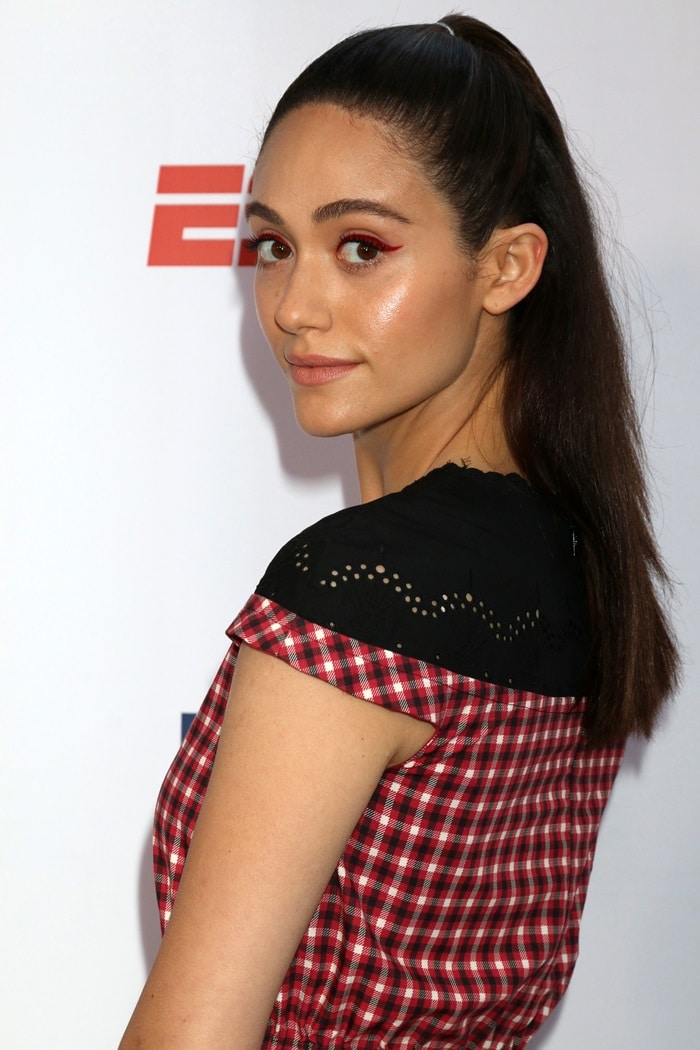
x: 470, y: 107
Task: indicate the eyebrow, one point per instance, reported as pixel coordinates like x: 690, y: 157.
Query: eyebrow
x: 334, y: 210
x: 337, y: 209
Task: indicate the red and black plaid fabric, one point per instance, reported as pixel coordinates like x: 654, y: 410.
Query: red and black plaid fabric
x: 452, y: 919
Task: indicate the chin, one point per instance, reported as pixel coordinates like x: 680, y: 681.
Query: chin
x: 318, y: 424
x: 321, y: 430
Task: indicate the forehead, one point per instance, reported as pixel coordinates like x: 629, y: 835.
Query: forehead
x: 324, y: 152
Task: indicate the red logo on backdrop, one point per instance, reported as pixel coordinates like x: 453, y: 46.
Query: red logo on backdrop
x: 198, y: 233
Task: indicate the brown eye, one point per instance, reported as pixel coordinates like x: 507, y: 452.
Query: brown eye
x: 359, y: 251
x: 271, y: 250
x: 367, y: 251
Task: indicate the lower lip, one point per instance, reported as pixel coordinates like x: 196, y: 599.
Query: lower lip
x: 317, y: 375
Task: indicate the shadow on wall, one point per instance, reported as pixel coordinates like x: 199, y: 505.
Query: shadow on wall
x: 148, y: 908
x: 545, y: 1038
x: 635, y: 753
x: 302, y: 457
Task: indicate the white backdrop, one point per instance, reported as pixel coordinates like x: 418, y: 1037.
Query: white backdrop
x: 151, y: 467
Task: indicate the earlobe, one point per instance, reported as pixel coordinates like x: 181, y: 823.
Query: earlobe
x: 517, y: 255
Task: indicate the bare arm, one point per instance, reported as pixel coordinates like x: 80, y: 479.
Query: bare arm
x: 296, y: 765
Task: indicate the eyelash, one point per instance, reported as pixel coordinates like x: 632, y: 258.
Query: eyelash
x: 254, y: 244
x: 371, y: 242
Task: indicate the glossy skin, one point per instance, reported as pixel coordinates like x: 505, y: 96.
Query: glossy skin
x: 393, y: 346
x: 383, y: 326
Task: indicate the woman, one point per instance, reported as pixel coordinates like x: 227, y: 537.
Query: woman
x: 432, y: 690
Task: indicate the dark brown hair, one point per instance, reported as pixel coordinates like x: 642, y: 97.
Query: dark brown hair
x: 472, y: 109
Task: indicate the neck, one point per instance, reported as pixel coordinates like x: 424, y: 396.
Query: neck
x: 399, y: 451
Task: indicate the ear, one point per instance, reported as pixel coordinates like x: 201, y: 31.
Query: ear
x: 514, y: 260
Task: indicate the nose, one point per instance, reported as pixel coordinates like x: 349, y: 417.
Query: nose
x: 303, y: 298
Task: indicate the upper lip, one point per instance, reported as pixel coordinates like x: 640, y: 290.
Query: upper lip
x: 316, y: 361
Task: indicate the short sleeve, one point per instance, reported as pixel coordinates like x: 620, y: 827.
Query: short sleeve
x: 363, y: 670
x: 462, y: 571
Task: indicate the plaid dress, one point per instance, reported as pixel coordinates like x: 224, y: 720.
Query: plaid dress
x: 452, y: 918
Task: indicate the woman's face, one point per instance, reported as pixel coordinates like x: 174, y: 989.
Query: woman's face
x: 361, y: 289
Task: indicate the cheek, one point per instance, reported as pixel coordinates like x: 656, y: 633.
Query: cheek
x: 414, y: 310
x: 390, y: 310
x: 408, y: 310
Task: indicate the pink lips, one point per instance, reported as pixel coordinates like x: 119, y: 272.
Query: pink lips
x: 315, y: 370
